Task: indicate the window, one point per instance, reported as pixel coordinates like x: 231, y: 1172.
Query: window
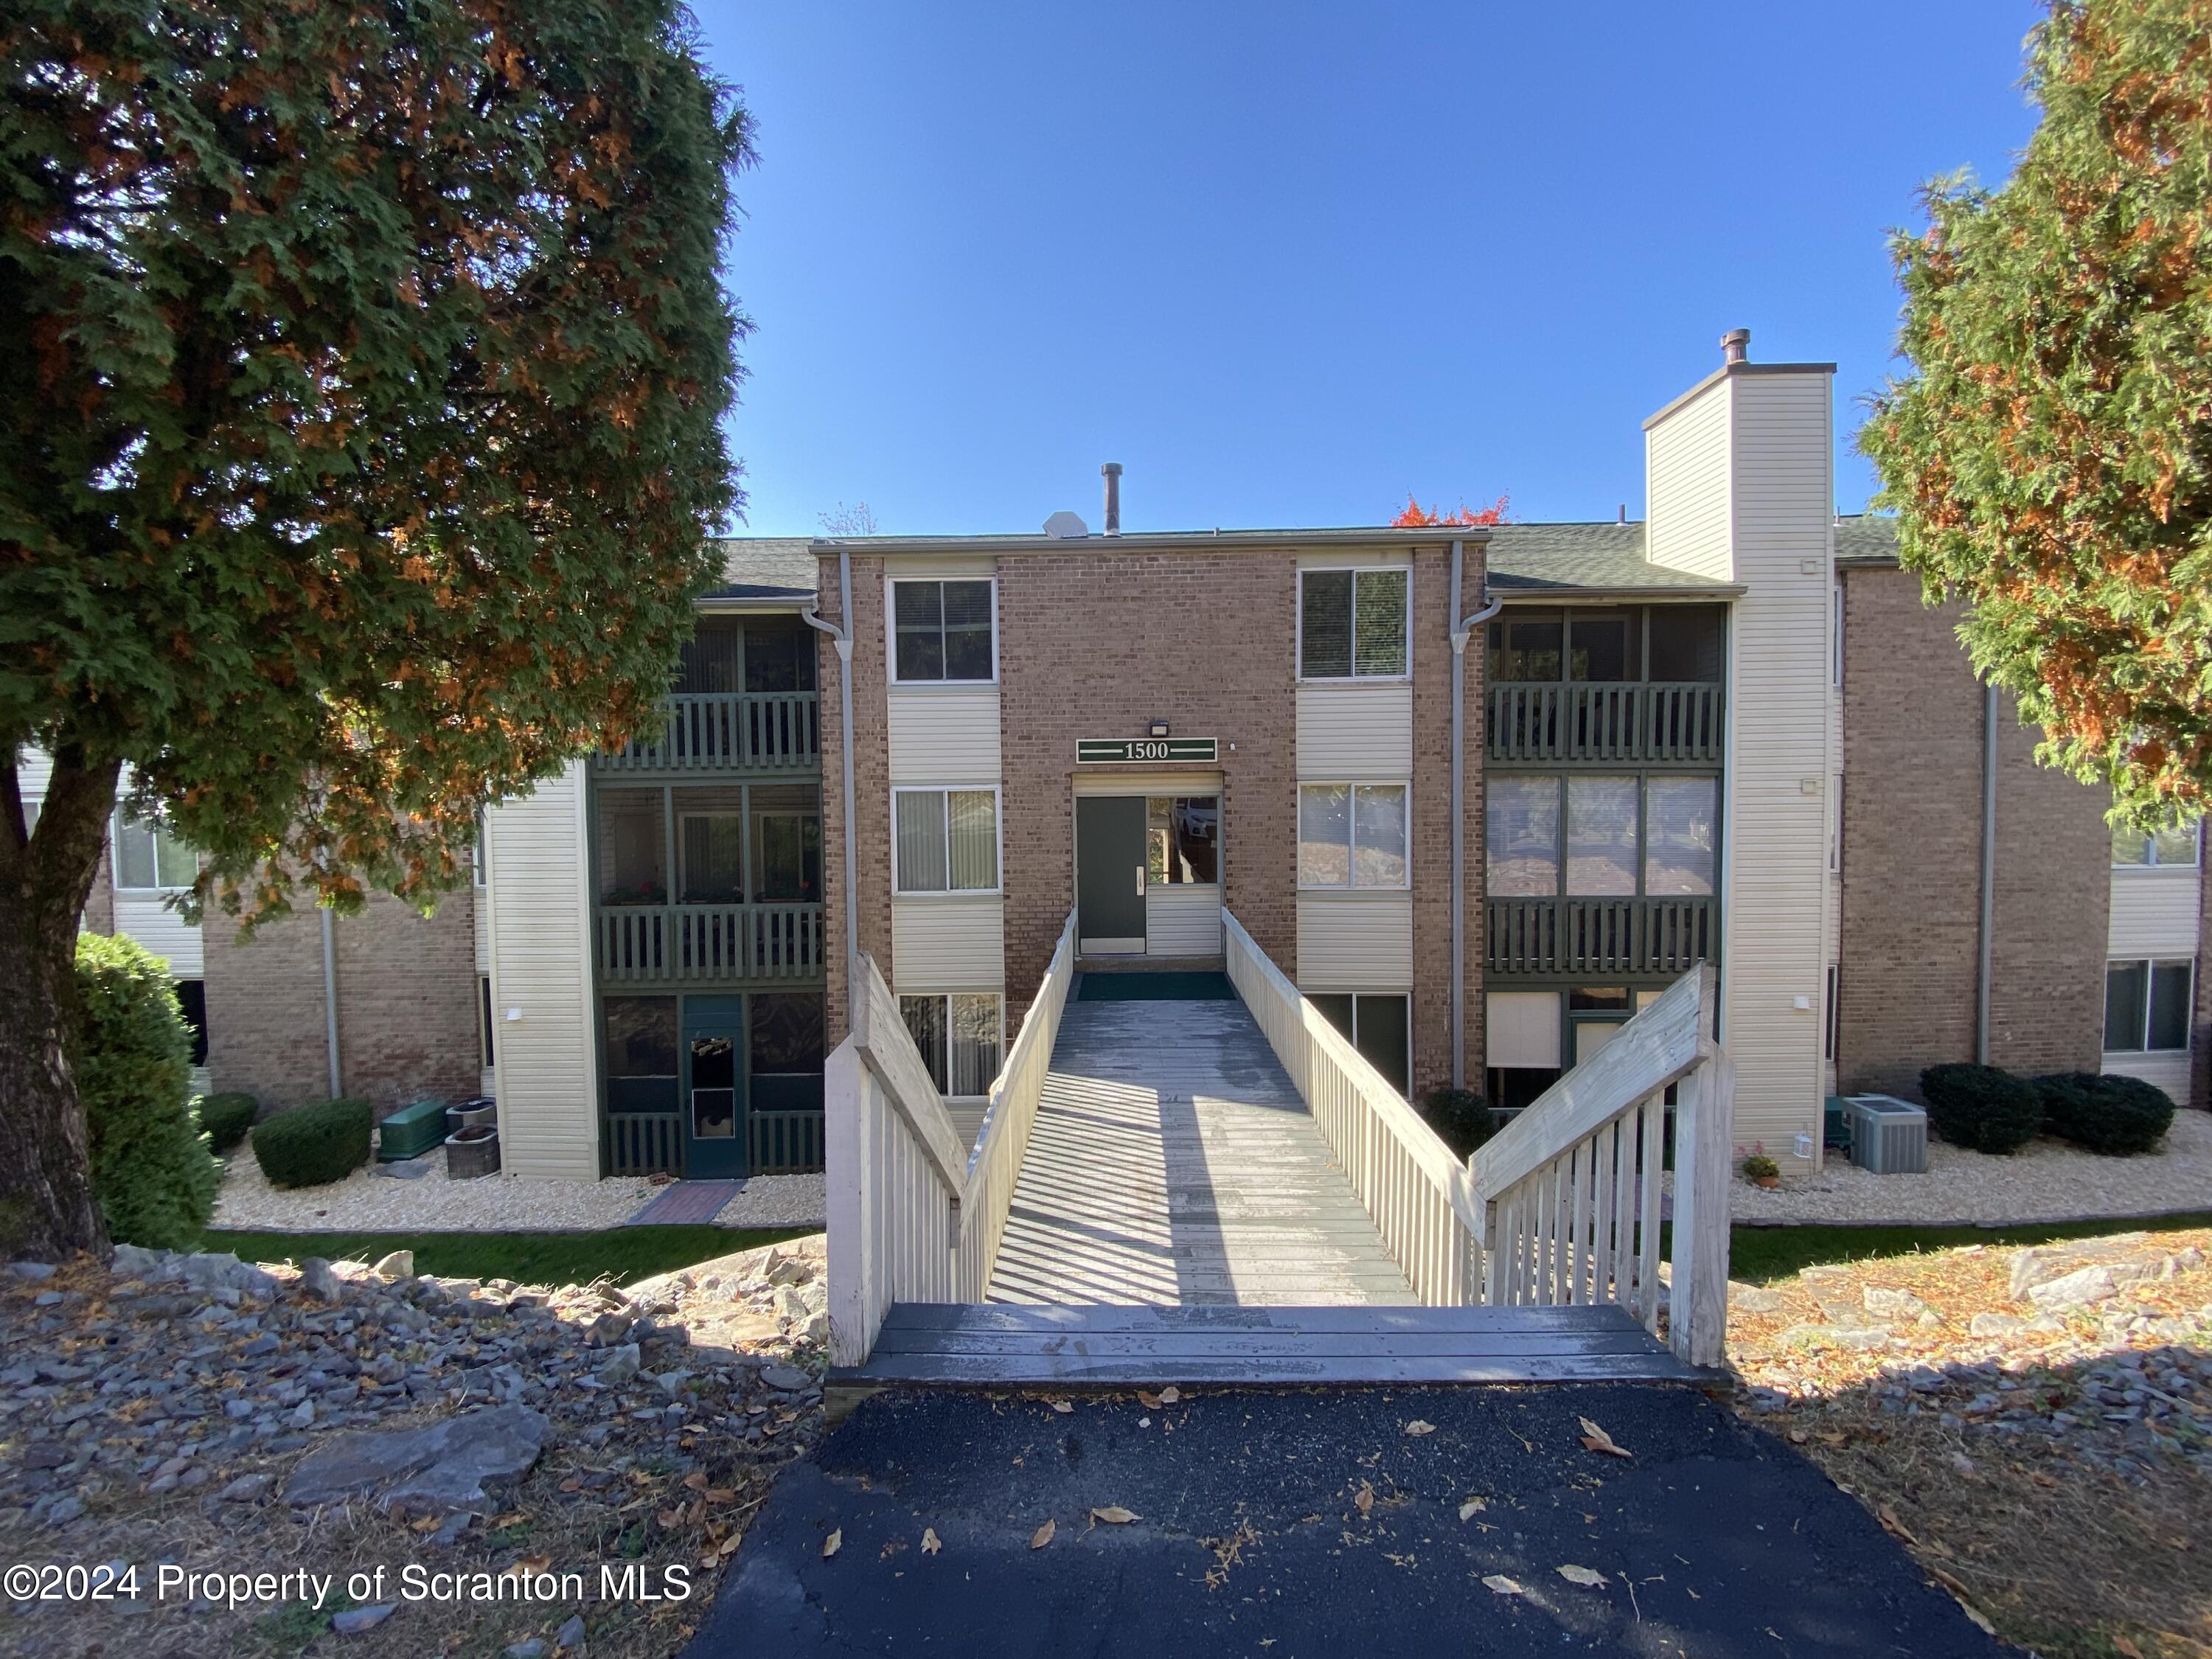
x: 191, y: 1003
x: 641, y: 1053
x: 714, y: 858
x: 2132, y: 849
x: 1602, y: 646
x: 1600, y: 835
x: 786, y: 1034
x: 149, y: 858
x: 778, y: 656
x: 1352, y: 835
x: 1617, y: 837
x: 1525, y: 646
x: 483, y: 1021
x: 1522, y: 829
x: 1678, y: 834
x: 1351, y: 625
x: 789, y: 870
x: 2147, y: 1006
x: 633, y: 847
x: 1182, y: 839
x: 1686, y: 643
x: 948, y: 840
x: 711, y: 659
x: 958, y: 1036
x: 942, y: 631
x: 1376, y: 1026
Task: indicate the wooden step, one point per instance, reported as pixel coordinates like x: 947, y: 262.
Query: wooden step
x: 962, y: 1346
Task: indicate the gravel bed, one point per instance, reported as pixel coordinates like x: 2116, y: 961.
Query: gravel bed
x: 367, y: 1202
x: 2049, y: 1181
x: 787, y: 1200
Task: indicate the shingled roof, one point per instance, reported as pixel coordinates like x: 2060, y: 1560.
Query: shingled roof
x: 1599, y: 557
x: 1865, y: 539
x: 767, y: 569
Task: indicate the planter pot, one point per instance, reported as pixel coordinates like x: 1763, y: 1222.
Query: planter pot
x: 471, y: 1153
x: 1768, y: 1182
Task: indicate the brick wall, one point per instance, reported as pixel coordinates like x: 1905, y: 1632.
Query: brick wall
x: 407, y: 1004
x: 1431, y: 827
x: 871, y: 785
x: 1094, y: 644
x: 2200, y: 1031
x: 1911, y: 863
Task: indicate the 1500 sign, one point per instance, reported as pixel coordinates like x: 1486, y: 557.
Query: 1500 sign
x: 1093, y: 751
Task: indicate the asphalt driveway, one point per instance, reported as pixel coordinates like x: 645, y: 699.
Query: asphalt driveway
x: 1314, y: 1525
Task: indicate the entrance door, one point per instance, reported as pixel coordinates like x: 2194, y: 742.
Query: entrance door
x: 1110, y: 875
x: 714, y: 1087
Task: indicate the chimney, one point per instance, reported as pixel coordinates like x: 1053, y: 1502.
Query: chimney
x: 1112, y: 472
x: 1735, y: 345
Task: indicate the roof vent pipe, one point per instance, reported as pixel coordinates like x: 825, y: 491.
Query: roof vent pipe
x: 1112, y: 473
x: 1735, y: 345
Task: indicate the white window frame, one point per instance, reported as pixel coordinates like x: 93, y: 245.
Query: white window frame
x: 1004, y: 1042
x: 2150, y: 965
x: 997, y: 837
x: 2150, y: 843
x: 890, y: 635
x: 1355, y: 677
x: 1351, y: 848
x: 153, y: 828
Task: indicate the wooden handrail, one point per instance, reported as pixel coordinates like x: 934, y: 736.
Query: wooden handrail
x: 886, y: 1047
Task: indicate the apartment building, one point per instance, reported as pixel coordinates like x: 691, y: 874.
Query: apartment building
x: 1482, y: 792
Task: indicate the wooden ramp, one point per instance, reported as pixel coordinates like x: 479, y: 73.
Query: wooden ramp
x: 955, y: 1344
x: 1172, y: 1162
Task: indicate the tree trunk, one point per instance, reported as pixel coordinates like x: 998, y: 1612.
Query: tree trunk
x: 46, y: 1207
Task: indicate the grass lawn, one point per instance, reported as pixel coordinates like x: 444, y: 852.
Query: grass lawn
x: 1757, y: 1255
x: 621, y: 1253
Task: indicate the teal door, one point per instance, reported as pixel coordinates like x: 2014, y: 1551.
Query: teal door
x: 714, y: 1087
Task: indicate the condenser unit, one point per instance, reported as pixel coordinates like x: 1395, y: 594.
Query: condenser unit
x: 1889, y: 1136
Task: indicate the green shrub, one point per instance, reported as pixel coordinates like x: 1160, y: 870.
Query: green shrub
x: 309, y: 1145
x: 2115, y: 1115
x: 1460, y: 1117
x: 151, y: 1169
x: 227, y: 1117
x: 1982, y: 1107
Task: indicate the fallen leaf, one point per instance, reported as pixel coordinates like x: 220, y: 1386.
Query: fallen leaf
x: 830, y: 1544
x: 1062, y: 1406
x: 1589, y: 1578
x: 1149, y: 1401
x: 425, y: 1524
x: 1042, y: 1536
x: 1169, y: 1396
x: 1364, y: 1500
x: 572, y: 1483
x: 1887, y: 1516
x: 1417, y: 1428
x: 929, y: 1542
x: 721, y: 1494
x: 1499, y: 1584
x: 729, y: 1545
x: 529, y: 1567
x: 2126, y: 1649
x: 1472, y: 1507
x: 1114, y: 1516
x: 671, y: 1519
x: 1597, y: 1440
x: 696, y: 1480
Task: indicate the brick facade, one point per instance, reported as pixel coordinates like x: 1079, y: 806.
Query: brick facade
x: 872, y: 781
x: 408, y: 1006
x: 2200, y: 1025
x: 1431, y: 827
x: 1913, y: 734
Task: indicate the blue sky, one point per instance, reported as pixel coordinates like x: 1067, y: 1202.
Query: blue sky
x: 1287, y: 263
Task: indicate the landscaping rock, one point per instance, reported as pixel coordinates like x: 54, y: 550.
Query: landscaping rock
x: 355, y: 1620
x: 2077, y: 1288
x: 619, y: 1366
x: 434, y: 1470
x: 1884, y: 1303
x: 209, y: 1272
x: 1836, y: 1336
x: 246, y: 1489
x: 1995, y: 1324
x: 135, y: 1261
x: 570, y: 1636
x: 317, y: 1279
x: 400, y: 1264
x: 32, y: 1270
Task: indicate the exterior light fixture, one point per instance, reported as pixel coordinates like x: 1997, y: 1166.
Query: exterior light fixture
x: 1157, y: 729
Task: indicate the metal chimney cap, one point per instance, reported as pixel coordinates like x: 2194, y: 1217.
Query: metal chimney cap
x: 1111, y: 469
x: 1735, y: 345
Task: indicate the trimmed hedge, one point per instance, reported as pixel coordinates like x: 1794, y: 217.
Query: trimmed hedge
x: 1982, y: 1107
x: 152, y: 1173
x: 1460, y: 1117
x: 310, y: 1146
x: 227, y: 1117
x: 2118, y: 1116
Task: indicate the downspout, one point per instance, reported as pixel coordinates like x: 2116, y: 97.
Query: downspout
x: 1460, y: 631
x: 842, y: 639
x: 331, y: 996
x: 1988, y: 872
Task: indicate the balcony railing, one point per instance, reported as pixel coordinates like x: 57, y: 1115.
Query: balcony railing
x: 777, y: 1143
x: 640, y: 943
x: 783, y: 1143
x: 1627, y: 722
x: 726, y: 731
x: 1609, y: 936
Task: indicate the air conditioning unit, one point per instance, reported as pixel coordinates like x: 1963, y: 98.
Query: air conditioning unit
x: 1889, y: 1136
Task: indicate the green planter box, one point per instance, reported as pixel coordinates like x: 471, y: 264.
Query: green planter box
x: 411, y: 1131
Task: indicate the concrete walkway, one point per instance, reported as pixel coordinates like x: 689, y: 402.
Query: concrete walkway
x: 1173, y: 1162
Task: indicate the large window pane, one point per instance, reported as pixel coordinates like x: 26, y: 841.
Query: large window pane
x: 1687, y: 643
x: 1382, y: 1037
x: 639, y: 1053
x: 778, y: 658
x: 786, y: 1034
x: 1522, y: 825
x: 175, y: 865
x: 714, y: 855
x: 1379, y: 618
x: 134, y: 855
x: 790, y: 867
x: 1378, y: 836
x: 2176, y: 846
x: 1600, y: 835
x: 973, y: 1062
x: 1182, y: 839
x: 1324, y: 835
x: 925, y: 1023
x: 968, y: 631
x: 974, y: 817
x: 919, y: 831
x: 1325, y: 624
x: 918, y: 615
x: 633, y: 847
x: 1678, y: 847
x: 1604, y: 645
x: 1525, y: 648
x: 2169, y: 1005
x: 2126, y: 993
x: 710, y: 659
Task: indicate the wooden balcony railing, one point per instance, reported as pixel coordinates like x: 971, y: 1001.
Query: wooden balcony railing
x: 782, y: 1142
x: 1625, y: 722
x: 644, y: 1143
x: 729, y: 731
x: 645, y: 942
x: 1651, y: 935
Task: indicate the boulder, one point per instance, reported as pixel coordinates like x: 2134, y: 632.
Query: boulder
x: 318, y: 1279
x: 33, y: 1271
x: 1752, y: 1298
x: 136, y: 1261
x: 620, y: 1365
x: 1995, y: 1324
x: 432, y: 1471
x: 400, y: 1264
x: 2076, y: 1289
x: 209, y: 1272
x: 1885, y: 1303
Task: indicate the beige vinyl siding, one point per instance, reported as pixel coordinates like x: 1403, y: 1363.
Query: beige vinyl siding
x: 1686, y: 460
x: 34, y: 766
x: 482, y: 921
x: 2168, y: 1071
x: 1100, y: 780
x: 943, y: 734
x: 1182, y: 921
x: 1780, y: 767
x: 2153, y: 914
x: 948, y: 943
x: 547, y: 1061
x: 1348, y: 733
x: 1355, y: 941
x: 145, y: 917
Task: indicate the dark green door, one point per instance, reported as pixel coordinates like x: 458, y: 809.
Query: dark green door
x: 714, y: 1087
x: 1109, y: 873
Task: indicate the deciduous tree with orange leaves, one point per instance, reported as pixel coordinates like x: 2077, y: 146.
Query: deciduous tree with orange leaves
x: 1414, y: 516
